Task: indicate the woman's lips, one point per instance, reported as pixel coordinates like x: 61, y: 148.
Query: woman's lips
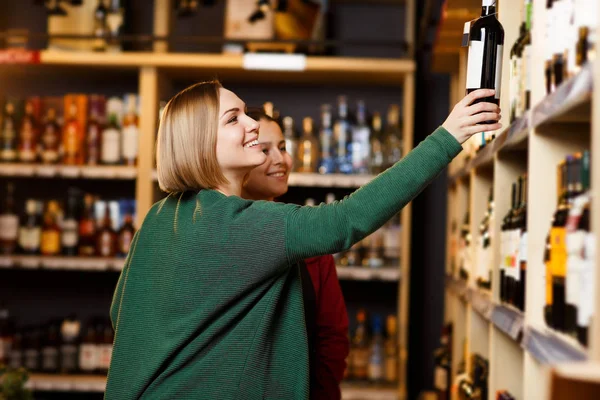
x: 281, y: 175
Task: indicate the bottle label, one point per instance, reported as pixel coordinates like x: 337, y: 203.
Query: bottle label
x: 71, y: 140
x: 548, y: 280
x: 558, y: 251
x: 110, y: 146
x: 587, y: 281
x: 68, y: 359
x: 130, y: 142
x: 498, y: 77
x: 50, y: 242
x: 32, y: 359
x: 105, y: 245
x: 125, y: 241
x: 502, y: 251
x: 9, y: 227
x: 88, y: 360
x: 441, y: 378
x: 474, y: 64
x: 574, y: 267
x: 391, y: 369
x: 527, y: 67
x: 105, y: 354
x: 70, y: 234
x: 523, y: 248
x: 50, y: 359
x: 375, y: 371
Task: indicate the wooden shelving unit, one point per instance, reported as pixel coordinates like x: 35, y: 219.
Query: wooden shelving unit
x: 156, y: 74
x: 522, y: 350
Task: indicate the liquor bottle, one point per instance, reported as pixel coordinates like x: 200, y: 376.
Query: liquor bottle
x: 125, y: 235
x: 443, y: 364
x: 342, y: 135
x: 377, y: 157
x: 526, y: 65
x: 111, y: 138
x: 28, y: 134
x: 574, y: 243
x: 486, y: 44
x: 15, y: 357
x: 392, y: 137
x: 557, y: 252
x: 88, y: 351
x: 51, y: 242
x: 87, y: 228
x: 515, y: 70
x: 548, y: 41
x: 484, y: 248
x: 291, y: 142
x: 308, y: 148
x: 50, y: 139
x: 6, y: 334
x: 360, y: 347
x: 130, y: 133
x: 587, y: 22
x: 106, y: 240
x: 101, y: 31
x: 361, y: 140
x: 587, y: 288
x: 70, y: 226
x: 70, y: 331
x: 523, y: 246
x: 72, y: 134
x: 327, y: 161
x: 376, y: 356
x: 8, y: 138
x: 114, y: 21
x: 105, y: 346
x: 391, y: 241
x: 32, y: 350
x: 30, y: 231
x: 465, y: 248
x: 391, y: 349
x: 9, y: 222
x: 559, y: 15
x: 374, y: 250
x: 480, y: 369
x: 94, y: 130
x: 513, y: 280
x: 51, y: 348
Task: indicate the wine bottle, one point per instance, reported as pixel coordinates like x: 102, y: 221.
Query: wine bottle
x: 486, y: 44
x: 526, y: 65
x: 523, y: 247
x: 587, y: 274
x: 504, y: 242
x: 548, y: 36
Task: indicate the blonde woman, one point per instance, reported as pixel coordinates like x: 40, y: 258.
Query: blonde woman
x: 203, y: 309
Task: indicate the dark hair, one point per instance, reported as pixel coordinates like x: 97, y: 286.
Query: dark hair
x: 258, y: 113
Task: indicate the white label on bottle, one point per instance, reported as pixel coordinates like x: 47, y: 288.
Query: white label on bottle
x: 130, y: 142
x: 503, y: 251
x: 30, y: 238
x: 441, y: 378
x: 375, y: 371
x: 105, y: 354
x: 9, y: 227
x: 88, y: 357
x: 523, y: 248
x: 110, y: 146
x: 587, y: 282
x: 70, y: 234
x: 527, y: 67
x: 516, y: 241
x: 475, y: 64
x: 574, y: 269
x: 498, y: 81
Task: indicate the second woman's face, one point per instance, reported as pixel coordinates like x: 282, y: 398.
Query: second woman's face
x: 237, y: 136
x: 270, y: 180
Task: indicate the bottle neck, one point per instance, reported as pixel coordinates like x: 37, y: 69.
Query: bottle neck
x: 487, y: 10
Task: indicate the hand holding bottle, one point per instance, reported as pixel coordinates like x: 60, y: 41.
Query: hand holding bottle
x: 462, y: 123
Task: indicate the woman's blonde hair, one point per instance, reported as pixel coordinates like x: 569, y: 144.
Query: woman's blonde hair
x: 186, y: 151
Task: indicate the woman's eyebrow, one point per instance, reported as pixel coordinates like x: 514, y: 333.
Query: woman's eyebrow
x: 230, y: 110
x: 282, y: 142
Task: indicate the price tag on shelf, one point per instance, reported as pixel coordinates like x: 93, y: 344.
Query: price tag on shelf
x: 274, y: 62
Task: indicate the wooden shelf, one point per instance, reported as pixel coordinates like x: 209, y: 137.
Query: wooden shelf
x: 509, y: 321
x: 68, y: 171
x: 388, y: 274
x: 314, y: 70
x: 62, y: 263
x: 359, y: 391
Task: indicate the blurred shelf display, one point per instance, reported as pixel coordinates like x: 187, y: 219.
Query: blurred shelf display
x: 68, y: 171
x: 369, y: 274
x: 63, y: 263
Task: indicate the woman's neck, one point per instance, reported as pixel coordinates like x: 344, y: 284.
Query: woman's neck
x: 234, y: 185
x: 255, y: 196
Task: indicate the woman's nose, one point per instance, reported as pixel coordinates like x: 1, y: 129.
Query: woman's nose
x: 276, y: 156
x: 252, y: 125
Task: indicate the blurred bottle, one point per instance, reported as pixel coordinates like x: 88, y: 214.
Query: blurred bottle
x: 308, y: 149
x: 376, y: 357
x: 72, y: 134
x: 94, y: 130
x: 70, y: 226
x: 15, y: 358
x: 361, y: 137
x: 130, y: 134
x: 342, y: 135
x: 9, y: 222
x: 51, y: 244
x: 391, y: 241
x: 51, y: 348
x: 125, y: 235
x: 291, y: 142
x: 70, y: 331
x: 374, y: 250
x: 8, y: 133
x: 326, y: 140
x: 393, y: 137
x: 105, y: 335
x: 32, y: 350
x: 391, y: 349
x: 107, y: 237
x: 88, y: 350
x: 101, y: 31
x: 7, y: 329
x: 50, y: 139
x: 360, y: 347
x: 87, y: 228
x: 377, y: 158
x: 110, y: 153
x: 29, y: 132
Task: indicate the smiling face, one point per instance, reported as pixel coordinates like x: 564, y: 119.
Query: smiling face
x: 270, y: 180
x: 238, y: 150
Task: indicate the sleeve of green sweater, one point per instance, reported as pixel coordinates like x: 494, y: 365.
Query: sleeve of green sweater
x: 328, y: 229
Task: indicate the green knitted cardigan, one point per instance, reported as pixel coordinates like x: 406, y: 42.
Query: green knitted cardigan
x: 209, y: 304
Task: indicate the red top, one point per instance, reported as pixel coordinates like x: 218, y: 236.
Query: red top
x: 331, y: 342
